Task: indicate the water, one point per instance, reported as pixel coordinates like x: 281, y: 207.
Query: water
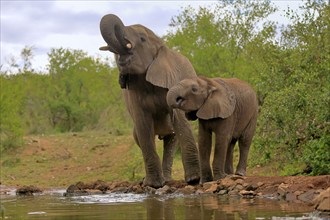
x: 53, y: 205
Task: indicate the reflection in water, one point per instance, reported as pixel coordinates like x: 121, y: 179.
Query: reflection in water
x: 141, y: 206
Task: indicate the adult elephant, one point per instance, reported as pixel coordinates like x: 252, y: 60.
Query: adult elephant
x: 227, y: 107
x: 147, y: 69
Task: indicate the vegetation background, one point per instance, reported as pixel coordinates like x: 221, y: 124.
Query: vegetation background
x: 288, y: 66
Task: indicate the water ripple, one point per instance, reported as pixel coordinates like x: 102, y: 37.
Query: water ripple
x: 109, y: 198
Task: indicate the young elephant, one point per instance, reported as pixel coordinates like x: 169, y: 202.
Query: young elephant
x: 227, y: 107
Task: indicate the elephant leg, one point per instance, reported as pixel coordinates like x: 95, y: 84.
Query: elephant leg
x: 205, y: 147
x: 229, y: 158
x: 188, y: 146
x: 145, y: 139
x: 220, y: 153
x: 244, y: 146
x: 168, y: 154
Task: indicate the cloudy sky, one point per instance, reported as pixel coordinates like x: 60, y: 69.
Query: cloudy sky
x: 75, y: 24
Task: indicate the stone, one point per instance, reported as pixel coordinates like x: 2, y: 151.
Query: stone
x: 239, y: 181
x: 208, y: 185
x: 282, y: 190
x: 239, y: 187
x: 237, y: 177
x: 150, y: 190
x: 322, y: 201
x: 298, y: 193
x: 212, y: 189
x: 222, y: 192
x: 187, y: 190
x: 137, y: 189
x: 247, y: 193
x: 251, y: 187
x: 120, y: 189
x: 260, y: 184
x: 307, y: 196
x: 199, y: 191
x: 233, y: 193
x: 291, y: 196
x: 164, y: 190
x: 28, y: 190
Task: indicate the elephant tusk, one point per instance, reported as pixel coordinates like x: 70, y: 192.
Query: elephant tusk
x: 104, y: 48
x: 129, y: 45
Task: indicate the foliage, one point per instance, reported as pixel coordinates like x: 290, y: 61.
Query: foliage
x: 214, y: 38
x: 11, y: 99
x: 78, y: 93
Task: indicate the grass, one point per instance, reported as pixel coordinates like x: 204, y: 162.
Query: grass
x: 63, y: 159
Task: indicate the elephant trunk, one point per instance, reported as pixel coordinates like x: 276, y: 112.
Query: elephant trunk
x: 113, y: 32
x: 174, y: 98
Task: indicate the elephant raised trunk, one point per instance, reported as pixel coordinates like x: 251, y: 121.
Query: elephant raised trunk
x: 174, y: 98
x: 114, y: 33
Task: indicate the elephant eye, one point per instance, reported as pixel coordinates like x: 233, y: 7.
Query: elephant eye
x: 142, y: 39
x: 194, y: 88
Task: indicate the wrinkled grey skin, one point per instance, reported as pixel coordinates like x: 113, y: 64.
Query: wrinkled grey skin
x: 227, y: 107
x: 147, y: 69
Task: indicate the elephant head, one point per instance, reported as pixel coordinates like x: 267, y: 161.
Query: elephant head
x: 139, y: 51
x: 206, y: 98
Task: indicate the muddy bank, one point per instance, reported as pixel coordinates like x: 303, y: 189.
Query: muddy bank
x: 314, y: 190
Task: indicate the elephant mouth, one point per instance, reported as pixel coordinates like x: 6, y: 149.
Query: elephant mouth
x: 124, y: 60
x: 179, y: 101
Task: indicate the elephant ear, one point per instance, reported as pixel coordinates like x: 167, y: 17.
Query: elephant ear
x: 220, y: 102
x: 169, y: 68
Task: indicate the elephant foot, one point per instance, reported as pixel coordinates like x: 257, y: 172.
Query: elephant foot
x: 220, y: 176
x: 193, y: 179
x: 154, y: 183
x: 206, y: 179
x: 240, y: 173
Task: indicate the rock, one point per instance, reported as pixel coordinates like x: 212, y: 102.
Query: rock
x: 164, y: 190
x: 73, y: 190
x: 199, y: 191
x: 208, y: 185
x: 260, y: 184
x: 291, y: 196
x: 239, y: 187
x: 234, y: 192
x: 222, y: 192
x: 239, y: 181
x: 247, y: 193
x: 226, y: 183
x: 282, y: 190
x: 307, y: 196
x: 237, y: 177
x: 212, y: 189
x: 120, y: 189
x: 186, y: 190
x: 252, y: 187
x: 28, y: 190
x: 150, y: 190
x: 137, y: 189
x: 298, y: 193
x: 101, y: 185
x: 322, y: 201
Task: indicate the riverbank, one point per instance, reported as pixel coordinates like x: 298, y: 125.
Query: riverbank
x: 79, y: 159
x: 314, y: 191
